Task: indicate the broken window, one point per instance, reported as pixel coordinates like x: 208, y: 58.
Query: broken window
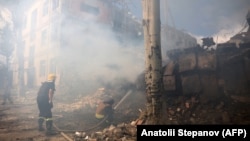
x: 117, y: 20
x: 31, y: 55
x: 54, y: 32
x: 33, y: 25
x: 52, y: 66
x: 55, y: 4
x: 45, y: 8
x: 90, y: 9
x: 44, y: 37
x: 42, y: 68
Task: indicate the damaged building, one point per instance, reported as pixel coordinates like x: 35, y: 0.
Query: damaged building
x: 197, y: 78
x: 226, y: 67
x: 200, y: 86
x: 48, y: 38
x: 48, y: 34
x: 202, y: 77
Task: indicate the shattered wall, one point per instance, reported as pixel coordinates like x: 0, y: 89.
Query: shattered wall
x: 234, y: 67
x: 198, y: 71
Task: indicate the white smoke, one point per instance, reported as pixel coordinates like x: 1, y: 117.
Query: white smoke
x: 94, y: 54
x: 5, y: 18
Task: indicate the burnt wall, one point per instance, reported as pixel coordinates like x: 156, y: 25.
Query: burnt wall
x: 198, y: 71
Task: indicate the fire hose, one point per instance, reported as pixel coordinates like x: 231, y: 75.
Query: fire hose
x: 95, y: 126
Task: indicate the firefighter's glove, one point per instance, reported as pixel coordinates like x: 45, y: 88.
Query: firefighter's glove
x: 51, y: 104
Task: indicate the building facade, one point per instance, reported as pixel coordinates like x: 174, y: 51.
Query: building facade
x: 47, y: 29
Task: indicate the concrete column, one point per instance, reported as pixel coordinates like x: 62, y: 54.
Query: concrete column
x: 153, y: 59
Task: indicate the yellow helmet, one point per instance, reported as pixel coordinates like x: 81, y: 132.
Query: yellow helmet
x: 51, y: 77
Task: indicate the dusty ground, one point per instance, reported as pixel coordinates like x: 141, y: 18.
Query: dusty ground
x: 19, y: 120
x: 18, y: 123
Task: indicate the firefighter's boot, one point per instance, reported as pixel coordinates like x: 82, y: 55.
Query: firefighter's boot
x: 49, y: 125
x: 40, y: 124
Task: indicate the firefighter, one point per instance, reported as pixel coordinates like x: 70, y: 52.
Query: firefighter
x: 105, y: 110
x: 45, y: 103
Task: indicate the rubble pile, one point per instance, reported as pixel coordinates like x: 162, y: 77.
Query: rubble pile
x: 225, y: 110
x: 79, y: 116
x: 123, y: 132
x: 207, y: 86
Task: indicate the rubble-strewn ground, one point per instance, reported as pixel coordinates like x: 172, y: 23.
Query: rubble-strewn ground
x: 18, y: 121
x: 227, y: 109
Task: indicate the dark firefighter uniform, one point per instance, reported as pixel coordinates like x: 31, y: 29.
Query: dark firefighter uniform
x: 105, y: 110
x: 44, y: 102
